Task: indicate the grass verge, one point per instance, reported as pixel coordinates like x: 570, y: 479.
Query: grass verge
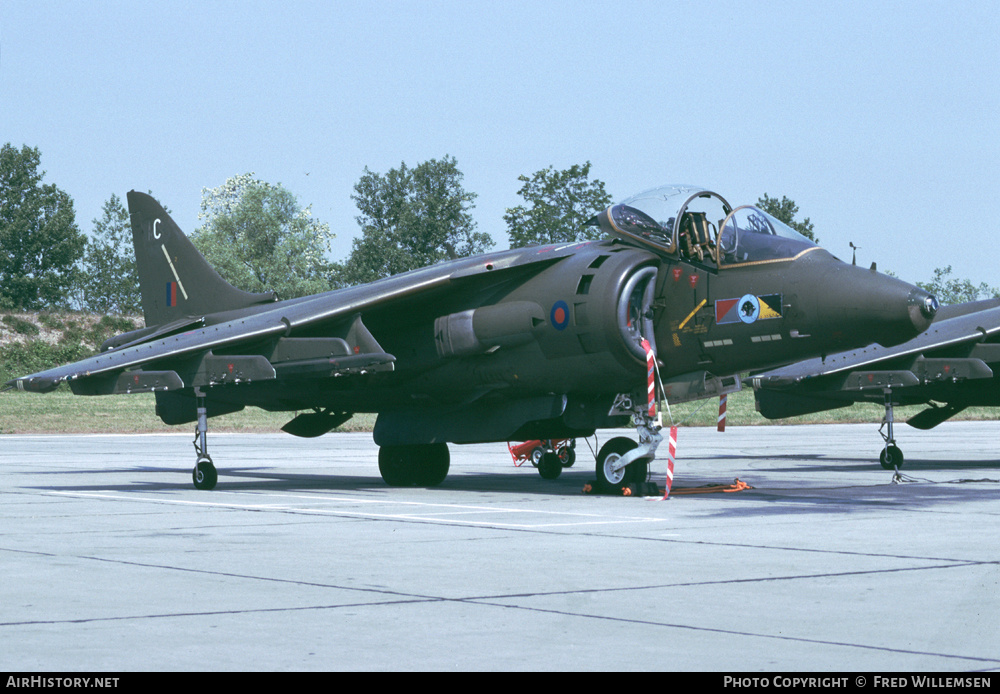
x: 61, y: 412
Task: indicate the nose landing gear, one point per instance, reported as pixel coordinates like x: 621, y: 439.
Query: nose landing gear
x: 622, y: 461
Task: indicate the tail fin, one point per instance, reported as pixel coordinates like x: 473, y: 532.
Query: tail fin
x: 174, y: 278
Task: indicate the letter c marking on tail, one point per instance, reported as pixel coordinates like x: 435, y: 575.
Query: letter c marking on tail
x: 156, y: 234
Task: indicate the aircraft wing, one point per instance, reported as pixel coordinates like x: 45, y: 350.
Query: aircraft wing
x: 960, y: 346
x: 189, y: 358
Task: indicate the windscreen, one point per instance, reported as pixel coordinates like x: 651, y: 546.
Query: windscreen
x: 750, y: 235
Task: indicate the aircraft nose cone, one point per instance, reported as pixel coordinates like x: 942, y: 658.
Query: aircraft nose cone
x: 859, y: 306
x: 923, y: 306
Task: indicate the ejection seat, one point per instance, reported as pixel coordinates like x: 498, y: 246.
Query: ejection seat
x: 696, y: 237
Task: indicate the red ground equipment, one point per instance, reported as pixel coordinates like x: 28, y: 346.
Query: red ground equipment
x: 550, y: 456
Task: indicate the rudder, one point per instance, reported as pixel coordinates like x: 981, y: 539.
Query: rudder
x: 175, y: 280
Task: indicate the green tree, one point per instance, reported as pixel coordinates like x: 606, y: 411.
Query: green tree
x: 785, y: 210
x: 259, y: 239
x: 949, y: 290
x: 559, y: 203
x: 410, y: 218
x: 40, y: 244
x: 109, y: 282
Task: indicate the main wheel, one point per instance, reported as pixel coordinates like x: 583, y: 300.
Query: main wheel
x: 424, y: 465
x: 204, y: 475
x: 395, y: 466
x: 609, y: 479
x: 432, y: 464
x: 550, y: 467
x: 891, y: 458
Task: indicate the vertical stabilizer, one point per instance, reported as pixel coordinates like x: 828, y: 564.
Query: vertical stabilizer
x: 174, y: 278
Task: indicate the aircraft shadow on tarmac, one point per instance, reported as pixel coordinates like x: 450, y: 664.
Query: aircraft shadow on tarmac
x: 236, y: 479
x: 866, y: 465
x: 842, y: 495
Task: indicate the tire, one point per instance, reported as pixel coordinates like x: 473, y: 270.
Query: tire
x: 424, y: 465
x: 432, y: 464
x: 609, y: 480
x: 536, y: 455
x: 891, y: 458
x: 394, y: 465
x: 567, y: 456
x: 204, y: 475
x: 550, y: 467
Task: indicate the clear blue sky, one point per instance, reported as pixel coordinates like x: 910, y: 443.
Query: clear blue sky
x: 880, y: 119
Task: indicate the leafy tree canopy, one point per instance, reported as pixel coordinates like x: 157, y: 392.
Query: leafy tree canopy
x: 109, y: 282
x: 558, y: 205
x: 785, y: 210
x: 410, y: 218
x: 40, y: 243
x: 952, y: 290
x: 260, y: 239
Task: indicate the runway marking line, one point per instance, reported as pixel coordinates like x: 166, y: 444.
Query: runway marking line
x: 438, y: 516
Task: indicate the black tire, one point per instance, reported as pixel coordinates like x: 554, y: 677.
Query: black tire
x: 550, y: 467
x: 395, y: 466
x: 204, y: 475
x: 609, y: 480
x: 432, y: 464
x: 424, y: 465
x: 891, y: 458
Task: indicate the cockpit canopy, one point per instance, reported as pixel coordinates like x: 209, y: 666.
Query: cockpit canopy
x: 710, y: 232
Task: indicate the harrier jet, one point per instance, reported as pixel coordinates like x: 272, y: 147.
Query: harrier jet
x: 549, y: 342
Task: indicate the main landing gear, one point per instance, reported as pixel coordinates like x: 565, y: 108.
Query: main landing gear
x: 415, y: 465
x: 891, y: 457
x: 204, y: 475
x: 622, y: 461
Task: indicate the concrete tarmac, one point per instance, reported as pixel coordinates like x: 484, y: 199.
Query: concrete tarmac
x: 302, y: 559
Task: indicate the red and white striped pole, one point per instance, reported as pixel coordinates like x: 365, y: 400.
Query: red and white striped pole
x: 650, y: 377
x: 671, y: 455
x: 721, y: 426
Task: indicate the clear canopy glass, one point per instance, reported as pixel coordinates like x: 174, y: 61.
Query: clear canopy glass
x: 710, y: 231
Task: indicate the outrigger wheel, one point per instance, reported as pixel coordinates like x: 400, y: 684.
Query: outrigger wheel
x: 609, y: 479
x: 205, y: 475
x: 891, y: 457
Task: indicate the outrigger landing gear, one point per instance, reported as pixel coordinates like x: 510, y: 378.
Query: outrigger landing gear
x: 891, y: 457
x: 622, y: 461
x: 204, y: 475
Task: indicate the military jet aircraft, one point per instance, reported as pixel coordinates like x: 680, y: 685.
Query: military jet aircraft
x: 543, y: 343
x: 953, y: 365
